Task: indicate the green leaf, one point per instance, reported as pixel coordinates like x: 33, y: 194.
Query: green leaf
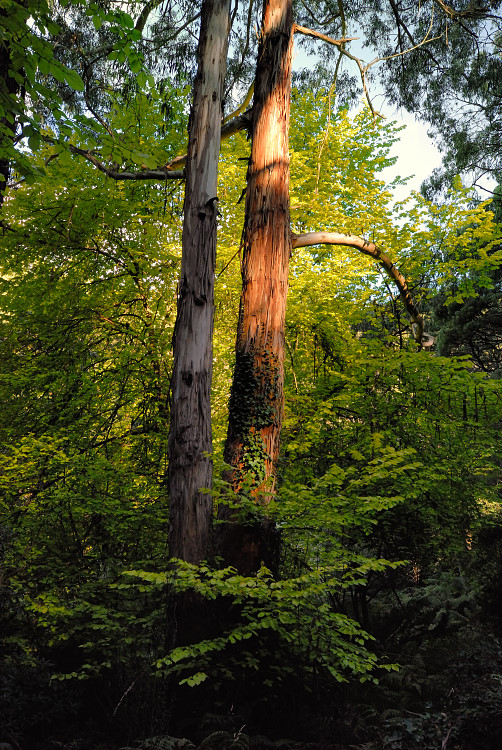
x: 73, y: 79
x: 195, y: 679
x: 34, y: 142
x: 135, y: 63
x: 43, y: 65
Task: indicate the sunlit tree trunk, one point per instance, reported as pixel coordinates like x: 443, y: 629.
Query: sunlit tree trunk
x: 256, y: 402
x: 190, y: 443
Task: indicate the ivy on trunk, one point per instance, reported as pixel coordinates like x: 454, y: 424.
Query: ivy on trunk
x: 256, y: 401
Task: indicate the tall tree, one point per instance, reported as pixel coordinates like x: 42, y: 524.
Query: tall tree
x: 257, y: 396
x: 190, y: 443
x: 256, y: 401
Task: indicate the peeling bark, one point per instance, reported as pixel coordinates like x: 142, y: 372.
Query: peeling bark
x: 256, y: 401
x: 190, y: 441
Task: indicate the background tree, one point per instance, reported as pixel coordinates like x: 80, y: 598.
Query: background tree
x: 86, y: 327
x: 472, y: 326
x: 441, y: 63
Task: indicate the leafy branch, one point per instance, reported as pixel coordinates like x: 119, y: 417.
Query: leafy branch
x: 368, y: 248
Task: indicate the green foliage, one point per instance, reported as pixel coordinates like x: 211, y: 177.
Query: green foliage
x: 60, y: 81
x: 388, y: 481
x: 88, y: 286
x: 26, y: 39
x: 472, y: 325
x: 307, y: 632
x: 449, y: 681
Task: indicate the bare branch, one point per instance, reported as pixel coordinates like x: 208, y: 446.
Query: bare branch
x: 241, y: 108
x: 242, y: 122
x: 174, y: 170
x: 368, y: 248
x: 103, y: 51
x: 160, y: 175
x: 91, y: 109
x: 446, y: 8
x: 425, y: 40
x: 145, y: 13
x: 340, y: 43
x: 343, y: 19
x: 317, y: 35
x: 363, y: 69
x: 472, y: 11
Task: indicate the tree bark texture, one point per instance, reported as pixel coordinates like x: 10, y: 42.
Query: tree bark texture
x: 256, y: 401
x: 190, y: 441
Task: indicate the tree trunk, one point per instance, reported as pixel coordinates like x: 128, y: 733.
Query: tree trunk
x: 256, y: 401
x: 8, y: 123
x: 190, y: 441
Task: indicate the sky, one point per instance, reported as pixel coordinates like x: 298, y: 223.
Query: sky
x: 416, y: 153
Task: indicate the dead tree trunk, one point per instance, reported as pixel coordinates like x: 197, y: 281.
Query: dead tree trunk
x: 190, y: 442
x: 256, y: 401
